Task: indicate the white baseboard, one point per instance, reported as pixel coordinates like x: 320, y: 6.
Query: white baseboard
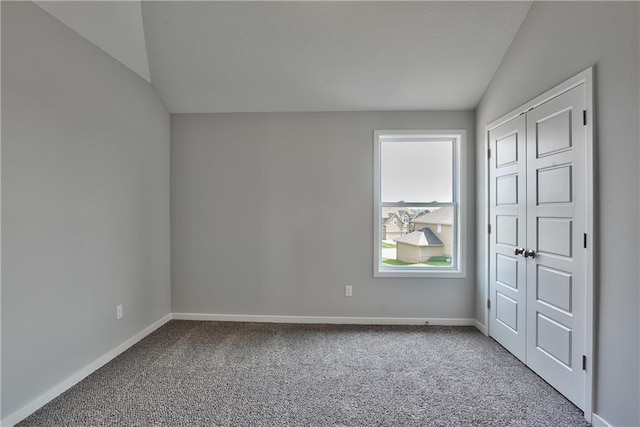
x: 54, y: 392
x: 324, y: 319
x: 482, y: 328
x: 597, y: 421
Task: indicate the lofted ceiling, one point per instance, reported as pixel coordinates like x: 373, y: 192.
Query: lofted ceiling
x: 205, y: 56
x: 113, y: 26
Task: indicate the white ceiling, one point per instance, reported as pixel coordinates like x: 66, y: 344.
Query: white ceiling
x: 305, y: 56
x: 113, y: 26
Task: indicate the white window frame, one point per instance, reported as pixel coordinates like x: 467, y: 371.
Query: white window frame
x: 458, y: 137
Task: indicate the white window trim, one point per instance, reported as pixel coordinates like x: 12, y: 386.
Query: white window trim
x: 459, y: 137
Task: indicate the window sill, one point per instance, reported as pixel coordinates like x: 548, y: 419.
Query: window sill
x: 434, y: 274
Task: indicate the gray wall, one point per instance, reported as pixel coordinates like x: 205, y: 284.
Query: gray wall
x: 85, y: 203
x: 272, y: 214
x: 556, y: 41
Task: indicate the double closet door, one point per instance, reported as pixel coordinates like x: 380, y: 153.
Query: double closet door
x: 537, y: 256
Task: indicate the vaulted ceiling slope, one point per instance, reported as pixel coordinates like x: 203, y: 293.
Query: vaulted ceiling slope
x: 320, y: 56
x: 113, y: 26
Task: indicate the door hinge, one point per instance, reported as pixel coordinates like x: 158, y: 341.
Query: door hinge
x: 489, y: 153
x: 584, y: 362
x: 584, y: 117
x: 584, y: 240
x: 489, y: 228
x: 488, y: 304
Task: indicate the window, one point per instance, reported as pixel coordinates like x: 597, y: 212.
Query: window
x: 418, y: 177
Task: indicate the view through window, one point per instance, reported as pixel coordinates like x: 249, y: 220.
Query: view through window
x: 416, y: 203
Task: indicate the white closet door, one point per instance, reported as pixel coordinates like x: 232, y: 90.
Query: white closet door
x: 508, y: 205
x: 556, y: 215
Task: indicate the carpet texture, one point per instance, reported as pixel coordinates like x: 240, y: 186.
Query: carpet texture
x: 251, y: 374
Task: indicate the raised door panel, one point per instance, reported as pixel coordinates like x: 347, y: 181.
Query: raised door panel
x: 507, y: 230
x: 507, y: 190
x: 506, y: 150
x: 554, y: 236
x: 507, y: 270
x: 553, y: 287
x: 507, y: 311
x: 554, y: 184
x: 553, y: 132
x: 554, y: 339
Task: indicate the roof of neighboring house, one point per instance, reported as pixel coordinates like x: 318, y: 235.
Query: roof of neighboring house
x: 389, y: 218
x: 439, y: 216
x: 389, y: 212
x: 424, y: 237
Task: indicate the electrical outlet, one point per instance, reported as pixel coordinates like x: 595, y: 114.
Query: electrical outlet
x: 119, y: 314
x: 348, y: 291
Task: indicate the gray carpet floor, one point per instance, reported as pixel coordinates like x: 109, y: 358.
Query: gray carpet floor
x: 252, y: 374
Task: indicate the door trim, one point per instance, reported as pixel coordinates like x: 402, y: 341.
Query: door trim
x: 585, y: 77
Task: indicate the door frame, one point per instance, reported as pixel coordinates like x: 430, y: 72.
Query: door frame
x: 585, y: 77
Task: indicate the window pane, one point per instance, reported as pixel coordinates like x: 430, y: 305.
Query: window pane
x: 417, y: 237
x: 416, y: 171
